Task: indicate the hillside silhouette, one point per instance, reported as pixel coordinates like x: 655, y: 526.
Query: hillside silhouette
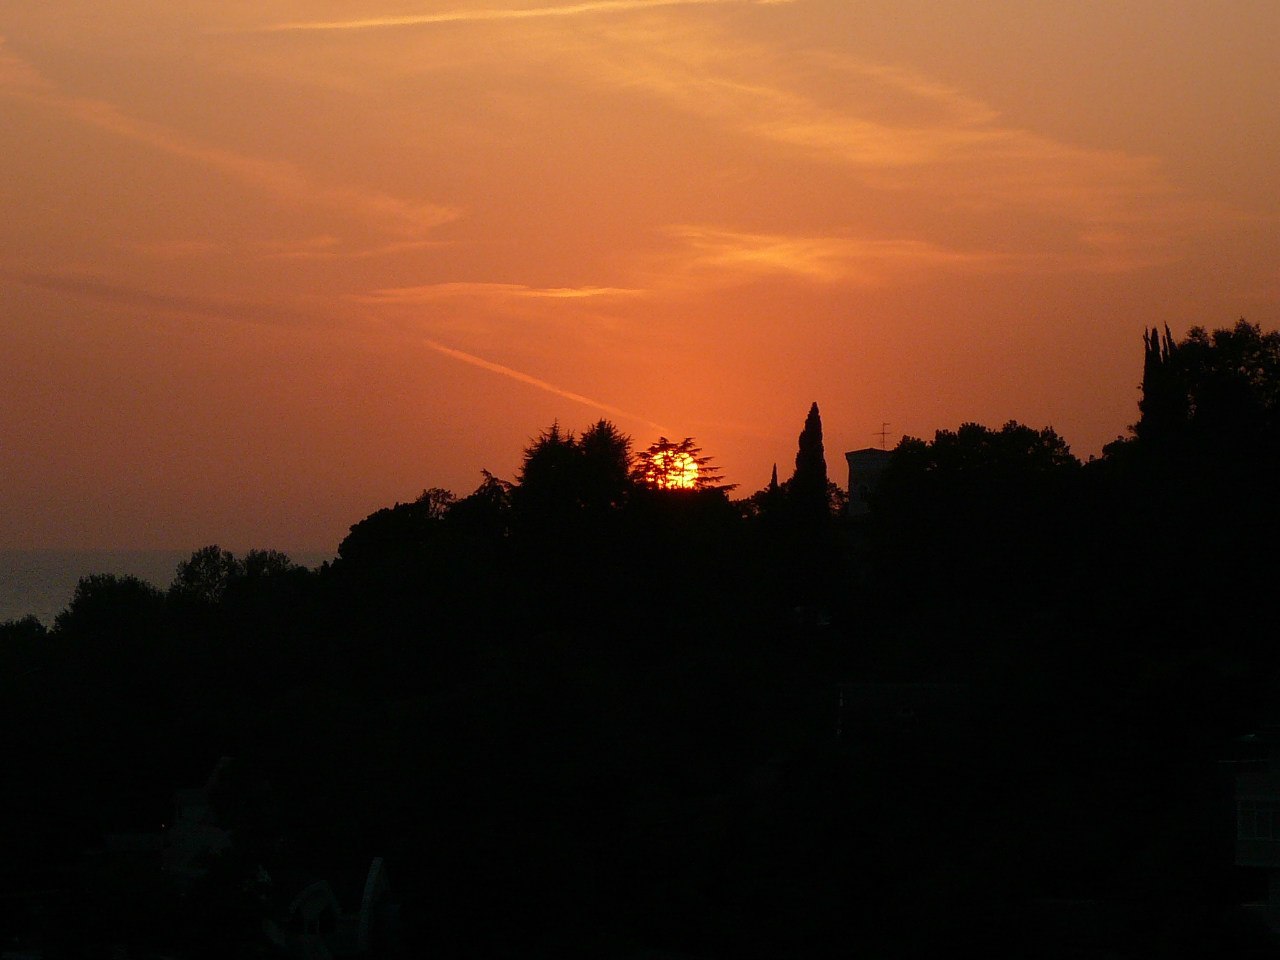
x: 586, y: 713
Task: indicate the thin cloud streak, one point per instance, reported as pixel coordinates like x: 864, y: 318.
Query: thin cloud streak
x: 152, y: 304
x: 21, y: 81
x: 734, y: 257
x: 483, y: 16
x: 330, y: 249
x: 516, y: 375
x: 431, y: 293
x: 825, y: 259
x: 957, y: 149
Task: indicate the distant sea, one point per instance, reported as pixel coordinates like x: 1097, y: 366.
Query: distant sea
x: 41, y: 582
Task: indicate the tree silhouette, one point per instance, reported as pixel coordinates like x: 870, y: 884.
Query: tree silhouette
x: 449, y: 654
x: 485, y: 513
x: 261, y: 564
x: 677, y: 465
x: 24, y: 630
x: 1163, y: 405
x: 808, y: 488
x: 436, y: 501
x: 569, y: 483
x: 546, y: 493
x: 768, y: 503
x: 106, y: 607
x: 1209, y: 424
x: 977, y: 459
x: 974, y: 493
x: 204, y: 576
x: 605, y: 478
x: 1219, y: 389
x: 401, y: 532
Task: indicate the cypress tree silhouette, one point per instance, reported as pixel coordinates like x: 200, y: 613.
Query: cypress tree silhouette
x: 808, y: 487
x: 1163, y: 406
x: 1210, y: 390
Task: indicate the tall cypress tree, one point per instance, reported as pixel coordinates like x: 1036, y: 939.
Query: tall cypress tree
x: 1164, y: 405
x: 809, y: 483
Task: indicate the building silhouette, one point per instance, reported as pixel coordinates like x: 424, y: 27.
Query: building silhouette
x: 865, y: 468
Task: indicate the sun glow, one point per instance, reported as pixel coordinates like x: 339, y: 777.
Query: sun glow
x: 675, y: 470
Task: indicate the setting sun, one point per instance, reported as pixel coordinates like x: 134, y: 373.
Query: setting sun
x: 688, y: 426
x: 675, y: 214
x: 675, y: 470
x: 677, y: 465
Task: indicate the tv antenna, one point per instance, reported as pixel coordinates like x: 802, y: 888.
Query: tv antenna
x: 883, y: 434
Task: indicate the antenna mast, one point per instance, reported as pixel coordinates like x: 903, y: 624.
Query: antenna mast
x: 883, y: 434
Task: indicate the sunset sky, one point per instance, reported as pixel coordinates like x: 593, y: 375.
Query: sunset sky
x: 268, y: 266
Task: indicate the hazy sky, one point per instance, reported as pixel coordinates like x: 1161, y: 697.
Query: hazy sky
x: 270, y: 265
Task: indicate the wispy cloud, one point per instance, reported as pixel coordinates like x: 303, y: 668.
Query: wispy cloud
x: 91, y: 287
x: 180, y: 249
x: 827, y: 259
x: 520, y: 377
x: 86, y: 286
x: 897, y: 130
x: 436, y: 292
x: 329, y: 247
x: 483, y: 15
x: 17, y: 75
x: 19, y: 80
x: 712, y: 254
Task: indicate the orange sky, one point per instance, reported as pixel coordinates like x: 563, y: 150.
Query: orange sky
x: 270, y: 265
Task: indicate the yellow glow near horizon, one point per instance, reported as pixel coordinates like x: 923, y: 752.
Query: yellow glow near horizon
x: 247, y: 246
x: 676, y: 471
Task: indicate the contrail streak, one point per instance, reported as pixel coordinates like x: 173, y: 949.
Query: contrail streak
x: 540, y: 384
x: 477, y: 16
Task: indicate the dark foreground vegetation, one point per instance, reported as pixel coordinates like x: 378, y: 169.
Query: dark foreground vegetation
x: 583, y: 715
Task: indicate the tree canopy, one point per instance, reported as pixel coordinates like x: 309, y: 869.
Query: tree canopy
x: 1211, y: 389
x: 563, y: 476
x: 975, y: 452
x: 673, y: 465
x: 581, y: 694
x: 807, y: 490
x: 205, y: 575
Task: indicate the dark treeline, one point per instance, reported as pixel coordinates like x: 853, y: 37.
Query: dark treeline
x: 587, y: 713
